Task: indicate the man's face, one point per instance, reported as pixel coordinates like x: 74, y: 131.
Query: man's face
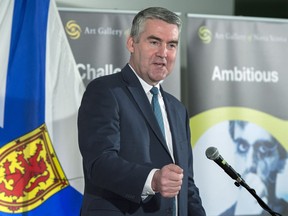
x: 154, y: 54
x: 256, y: 152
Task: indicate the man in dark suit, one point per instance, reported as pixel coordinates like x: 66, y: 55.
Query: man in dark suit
x: 131, y: 167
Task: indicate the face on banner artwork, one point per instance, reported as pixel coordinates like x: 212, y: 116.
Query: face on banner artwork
x: 255, y: 153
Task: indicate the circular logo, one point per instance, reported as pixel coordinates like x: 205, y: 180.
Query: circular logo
x: 73, y: 29
x: 205, y: 34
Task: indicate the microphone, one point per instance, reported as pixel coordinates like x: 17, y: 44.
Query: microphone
x: 213, y: 154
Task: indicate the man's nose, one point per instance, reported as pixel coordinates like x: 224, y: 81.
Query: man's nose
x: 251, y: 161
x: 162, y: 51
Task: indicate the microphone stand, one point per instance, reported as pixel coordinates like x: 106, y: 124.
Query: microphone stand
x: 240, y: 181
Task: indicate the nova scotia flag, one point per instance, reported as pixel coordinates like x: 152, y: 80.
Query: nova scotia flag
x: 40, y: 92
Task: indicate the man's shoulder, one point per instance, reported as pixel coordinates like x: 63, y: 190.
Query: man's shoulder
x: 115, y: 78
x: 106, y: 80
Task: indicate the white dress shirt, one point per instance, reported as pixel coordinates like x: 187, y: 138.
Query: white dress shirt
x: 147, y: 190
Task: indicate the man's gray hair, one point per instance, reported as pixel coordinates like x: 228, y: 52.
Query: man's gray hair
x: 153, y: 13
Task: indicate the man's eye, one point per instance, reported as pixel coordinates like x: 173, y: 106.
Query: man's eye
x: 172, y: 46
x: 242, y: 147
x: 266, y: 147
x: 155, y: 43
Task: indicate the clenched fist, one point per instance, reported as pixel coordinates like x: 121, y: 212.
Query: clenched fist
x: 168, y: 180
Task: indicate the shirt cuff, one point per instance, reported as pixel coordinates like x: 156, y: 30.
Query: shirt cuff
x: 147, y: 190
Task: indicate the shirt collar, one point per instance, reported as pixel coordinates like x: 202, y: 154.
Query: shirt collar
x: 144, y: 84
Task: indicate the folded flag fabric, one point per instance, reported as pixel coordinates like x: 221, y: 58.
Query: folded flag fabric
x: 40, y: 92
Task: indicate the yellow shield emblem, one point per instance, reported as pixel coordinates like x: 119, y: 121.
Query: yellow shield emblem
x: 30, y: 172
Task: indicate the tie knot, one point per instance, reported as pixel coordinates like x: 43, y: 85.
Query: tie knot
x: 154, y: 90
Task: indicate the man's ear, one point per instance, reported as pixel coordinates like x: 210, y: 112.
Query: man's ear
x: 130, y: 44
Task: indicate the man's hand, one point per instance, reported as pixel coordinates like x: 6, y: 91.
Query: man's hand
x: 168, y: 180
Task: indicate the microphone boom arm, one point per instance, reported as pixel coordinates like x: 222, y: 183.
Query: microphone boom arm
x: 213, y: 154
x: 241, y: 182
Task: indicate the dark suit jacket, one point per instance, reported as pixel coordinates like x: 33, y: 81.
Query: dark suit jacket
x: 121, y: 141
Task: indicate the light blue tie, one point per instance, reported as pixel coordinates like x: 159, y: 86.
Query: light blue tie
x: 156, y: 108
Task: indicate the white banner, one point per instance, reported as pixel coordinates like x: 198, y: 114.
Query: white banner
x: 238, y: 104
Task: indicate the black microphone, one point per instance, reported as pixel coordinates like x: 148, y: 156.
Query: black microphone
x: 213, y: 154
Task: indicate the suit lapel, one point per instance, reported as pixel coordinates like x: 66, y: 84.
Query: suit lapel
x: 140, y: 97
x: 172, y: 119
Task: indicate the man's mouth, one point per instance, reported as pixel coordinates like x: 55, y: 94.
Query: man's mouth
x: 160, y: 64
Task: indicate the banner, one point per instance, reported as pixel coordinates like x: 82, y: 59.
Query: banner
x: 98, y: 41
x: 237, y: 70
x: 40, y: 92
